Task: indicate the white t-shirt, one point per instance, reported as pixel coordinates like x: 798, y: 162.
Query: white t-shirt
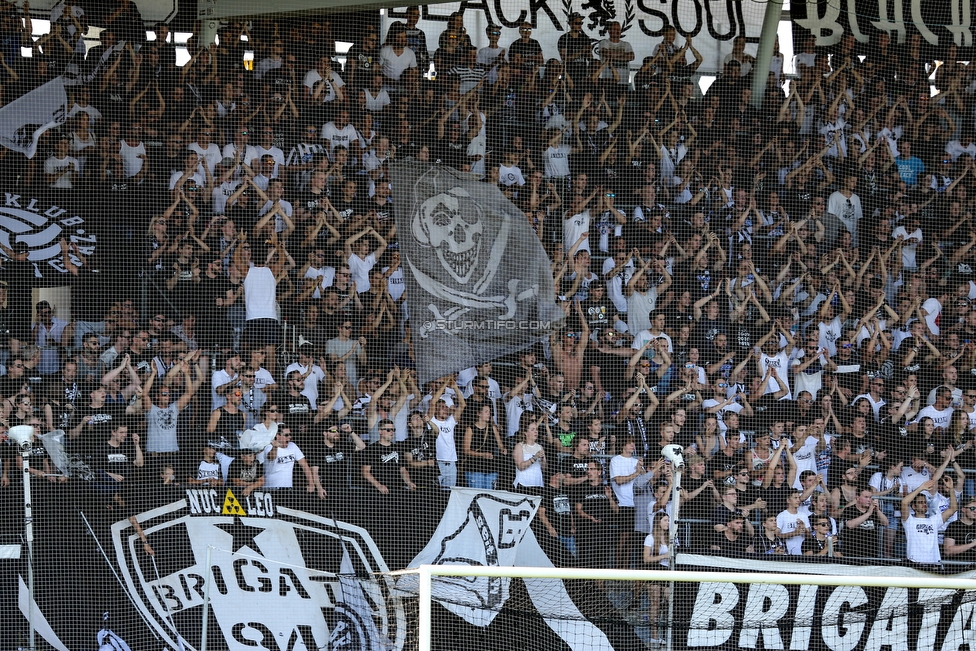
x: 623, y: 67
x: 393, y: 65
x: 250, y: 152
x: 781, y: 362
x: 575, y: 226
x: 639, y: 308
x: 220, y: 195
x: 911, y: 479
x: 644, y: 336
x: 279, y: 472
x: 55, y: 165
x: 621, y: 466
x: 211, y: 156
x: 346, y: 136
x: 218, y: 379
x: 131, y: 163
x: 326, y: 276
x: 806, y: 458
x: 940, y: 418
x: 510, y: 175
x: 786, y: 522
x: 312, y: 77
x: 910, y: 247
x: 933, y: 310
x: 376, y: 102
x: 922, y: 538
x: 556, y: 161
x: 446, y: 447
x: 829, y: 333
x: 260, y: 294
x: 279, y: 223
x: 359, y: 269
x: 514, y: 409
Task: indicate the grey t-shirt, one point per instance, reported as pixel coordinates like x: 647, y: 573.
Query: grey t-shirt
x: 161, y: 429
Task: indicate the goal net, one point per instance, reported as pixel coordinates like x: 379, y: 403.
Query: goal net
x: 711, y: 609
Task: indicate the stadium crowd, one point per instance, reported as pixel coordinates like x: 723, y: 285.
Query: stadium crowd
x: 784, y: 289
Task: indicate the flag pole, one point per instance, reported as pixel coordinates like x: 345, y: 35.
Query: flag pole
x: 206, y: 600
x: 29, y: 535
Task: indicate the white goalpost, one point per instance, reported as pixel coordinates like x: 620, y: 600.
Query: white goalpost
x: 426, y: 573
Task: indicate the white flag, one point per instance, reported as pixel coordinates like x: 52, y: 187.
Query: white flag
x: 23, y: 120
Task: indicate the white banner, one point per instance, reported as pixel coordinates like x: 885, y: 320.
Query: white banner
x: 712, y: 25
x: 492, y: 528
x: 24, y: 120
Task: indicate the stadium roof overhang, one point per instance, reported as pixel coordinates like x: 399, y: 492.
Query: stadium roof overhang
x: 228, y: 8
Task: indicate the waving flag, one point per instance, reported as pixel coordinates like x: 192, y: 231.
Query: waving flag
x: 478, y: 281
x: 24, y: 120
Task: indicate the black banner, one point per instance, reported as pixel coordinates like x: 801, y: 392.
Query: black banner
x: 723, y: 615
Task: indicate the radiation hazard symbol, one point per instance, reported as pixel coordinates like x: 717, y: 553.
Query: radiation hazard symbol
x: 231, y: 505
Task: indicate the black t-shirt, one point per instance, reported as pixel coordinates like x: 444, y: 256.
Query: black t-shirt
x: 723, y: 464
x: 814, y: 545
x: 96, y: 425
x: 240, y: 470
x: 595, y: 502
x: 726, y: 547
x: 525, y: 50
x: 706, y: 330
x: 864, y: 539
x: 611, y: 369
x: 384, y: 463
x: 212, y: 324
x: 21, y: 278
x: 574, y: 467
x: 558, y: 510
x: 421, y: 448
x: 332, y: 462
x: 116, y: 460
x: 749, y: 496
x: 346, y: 209
x: 298, y: 412
x: 312, y: 202
x: 962, y: 534
x: 776, y: 498
x: 383, y: 210
x: 698, y: 508
x: 8, y: 454
x: 597, y: 312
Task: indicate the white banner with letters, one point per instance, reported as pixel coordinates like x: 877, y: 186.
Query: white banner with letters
x: 712, y: 25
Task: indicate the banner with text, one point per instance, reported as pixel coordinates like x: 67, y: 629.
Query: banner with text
x: 711, y: 25
x: 720, y: 615
x: 939, y: 24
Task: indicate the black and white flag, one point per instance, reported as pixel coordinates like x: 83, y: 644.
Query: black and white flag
x: 478, y: 281
x: 23, y: 120
x: 491, y: 529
